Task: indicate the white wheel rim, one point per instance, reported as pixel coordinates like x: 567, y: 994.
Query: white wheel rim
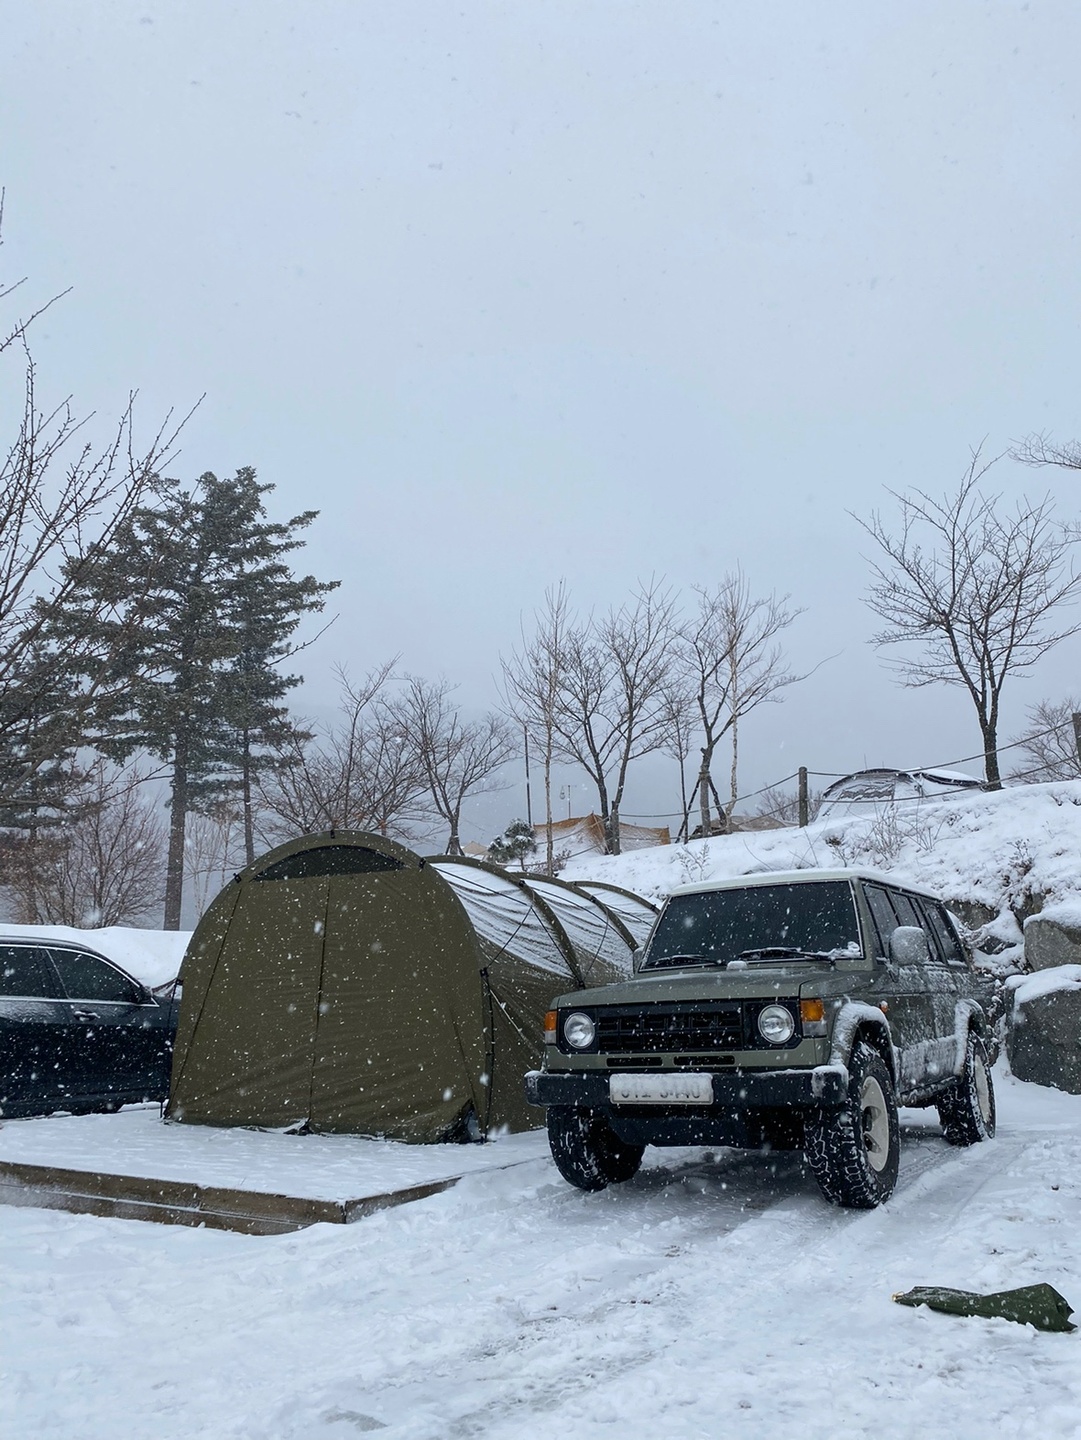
x: 875, y: 1124
x: 983, y: 1091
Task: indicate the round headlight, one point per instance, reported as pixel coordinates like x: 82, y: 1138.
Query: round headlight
x: 776, y: 1024
x: 579, y: 1030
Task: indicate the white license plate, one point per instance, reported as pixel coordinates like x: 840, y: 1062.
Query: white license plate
x: 667, y: 1088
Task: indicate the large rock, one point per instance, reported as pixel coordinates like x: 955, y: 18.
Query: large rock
x: 1051, y: 941
x: 1044, y: 1038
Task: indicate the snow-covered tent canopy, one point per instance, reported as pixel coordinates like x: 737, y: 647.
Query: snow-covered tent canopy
x: 866, y: 791
x: 344, y: 983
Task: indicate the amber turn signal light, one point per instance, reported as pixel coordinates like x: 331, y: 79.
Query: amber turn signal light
x: 550, y: 1027
x: 812, y: 1010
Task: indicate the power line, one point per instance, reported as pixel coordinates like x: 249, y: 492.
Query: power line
x: 841, y: 775
x: 983, y: 754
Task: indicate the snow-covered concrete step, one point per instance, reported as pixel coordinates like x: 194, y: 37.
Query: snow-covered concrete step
x: 133, y: 1166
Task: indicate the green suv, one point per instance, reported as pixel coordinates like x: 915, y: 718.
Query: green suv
x: 776, y: 1011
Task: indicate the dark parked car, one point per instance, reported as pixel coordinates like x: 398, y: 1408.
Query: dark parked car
x: 78, y: 1033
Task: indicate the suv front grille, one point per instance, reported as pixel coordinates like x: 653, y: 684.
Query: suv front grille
x: 713, y: 1026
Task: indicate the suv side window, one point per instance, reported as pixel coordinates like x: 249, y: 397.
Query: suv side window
x: 878, y: 902
x: 25, y: 971
x: 907, y: 914
x: 948, y: 944
x: 86, y: 977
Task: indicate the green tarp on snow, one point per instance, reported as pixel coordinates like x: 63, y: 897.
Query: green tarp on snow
x: 1038, y: 1305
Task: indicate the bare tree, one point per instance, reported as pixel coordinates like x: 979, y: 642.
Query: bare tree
x: 730, y: 654
x: 105, y: 865
x: 63, y: 498
x: 679, y: 733
x: 1042, y: 450
x: 780, y: 804
x: 532, y: 679
x: 459, y: 757
x: 976, y: 589
x: 611, y: 707
x: 215, y: 848
x: 364, y: 774
x: 1049, y: 742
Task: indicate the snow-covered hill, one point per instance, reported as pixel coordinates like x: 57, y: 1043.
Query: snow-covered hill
x: 996, y: 857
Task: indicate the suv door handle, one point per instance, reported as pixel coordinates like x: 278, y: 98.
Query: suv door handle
x: 86, y: 1015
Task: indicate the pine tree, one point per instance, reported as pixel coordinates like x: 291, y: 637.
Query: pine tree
x: 39, y: 772
x: 267, y: 601
x: 202, y: 604
x: 516, y: 845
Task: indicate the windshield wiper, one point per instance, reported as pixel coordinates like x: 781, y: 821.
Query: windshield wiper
x: 786, y: 952
x: 673, y: 960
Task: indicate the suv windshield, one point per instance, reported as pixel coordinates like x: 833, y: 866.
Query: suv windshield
x: 759, y: 922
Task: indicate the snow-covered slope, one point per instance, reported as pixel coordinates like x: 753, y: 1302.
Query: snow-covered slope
x: 152, y: 956
x: 1009, y: 852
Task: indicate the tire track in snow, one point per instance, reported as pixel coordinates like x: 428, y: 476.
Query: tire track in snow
x: 579, y: 1353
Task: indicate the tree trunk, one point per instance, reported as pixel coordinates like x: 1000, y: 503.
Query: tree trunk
x: 454, y: 845
x: 734, y: 771
x: 703, y: 788
x: 249, y: 825
x: 989, y: 729
x: 611, y: 830
x: 549, y: 848
x: 178, y: 815
x: 611, y: 839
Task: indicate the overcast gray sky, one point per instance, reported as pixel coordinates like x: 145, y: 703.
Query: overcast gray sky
x: 521, y: 291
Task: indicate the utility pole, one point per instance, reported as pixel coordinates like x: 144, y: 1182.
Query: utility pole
x: 528, y: 792
x: 1077, y: 733
x: 804, y: 807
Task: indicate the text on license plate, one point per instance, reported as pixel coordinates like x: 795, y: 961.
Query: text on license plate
x: 663, y: 1089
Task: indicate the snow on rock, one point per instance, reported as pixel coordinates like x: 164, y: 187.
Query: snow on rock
x: 152, y: 956
x: 1053, y: 937
x: 998, y: 856
x: 1027, y: 988
x: 1044, y: 1028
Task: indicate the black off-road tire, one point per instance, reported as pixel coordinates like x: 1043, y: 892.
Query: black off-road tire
x: 854, y: 1150
x: 587, y: 1151
x: 967, y: 1112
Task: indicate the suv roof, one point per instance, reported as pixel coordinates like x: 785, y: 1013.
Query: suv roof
x: 800, y: 877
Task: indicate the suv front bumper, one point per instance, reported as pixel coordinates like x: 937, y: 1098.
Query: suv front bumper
x: 740, y: 1090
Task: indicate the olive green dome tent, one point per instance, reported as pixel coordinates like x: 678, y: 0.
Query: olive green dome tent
x: 344, y: 983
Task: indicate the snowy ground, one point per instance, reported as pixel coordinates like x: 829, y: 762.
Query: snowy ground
x: 706, y: 1298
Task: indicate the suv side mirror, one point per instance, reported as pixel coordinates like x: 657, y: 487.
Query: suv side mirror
x: 908, y: 946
